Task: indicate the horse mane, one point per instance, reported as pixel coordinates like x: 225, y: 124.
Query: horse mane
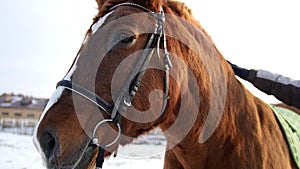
x: 180, y: 9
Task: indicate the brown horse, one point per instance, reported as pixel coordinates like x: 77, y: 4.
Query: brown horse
x: 209, y: 119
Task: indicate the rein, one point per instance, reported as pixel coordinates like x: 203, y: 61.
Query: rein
x: 128, y: 91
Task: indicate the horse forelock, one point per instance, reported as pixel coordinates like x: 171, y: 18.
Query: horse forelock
x: 104, y: 8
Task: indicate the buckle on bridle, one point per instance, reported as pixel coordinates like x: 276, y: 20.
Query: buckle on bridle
x: 95, y: 140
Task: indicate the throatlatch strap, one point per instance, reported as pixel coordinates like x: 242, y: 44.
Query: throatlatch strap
x: 100, y: 157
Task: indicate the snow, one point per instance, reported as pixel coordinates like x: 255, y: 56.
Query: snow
x: 16, y: 99
x: 5, y: 104
x: 34, y: 101
x: 18, y: 152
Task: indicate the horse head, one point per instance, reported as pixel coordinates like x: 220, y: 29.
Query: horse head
x: 128, y: 78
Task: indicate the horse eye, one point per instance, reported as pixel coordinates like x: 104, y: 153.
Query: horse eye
x: 123, y: 40
x: 126, y: 38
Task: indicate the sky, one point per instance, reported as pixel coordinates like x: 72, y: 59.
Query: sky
x: 40, y: 38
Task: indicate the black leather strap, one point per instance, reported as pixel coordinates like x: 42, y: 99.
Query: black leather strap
x: 107, y: 107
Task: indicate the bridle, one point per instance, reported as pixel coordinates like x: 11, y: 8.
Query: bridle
x: 130, y: 88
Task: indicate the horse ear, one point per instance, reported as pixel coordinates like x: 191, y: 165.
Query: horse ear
x: 100, y: 3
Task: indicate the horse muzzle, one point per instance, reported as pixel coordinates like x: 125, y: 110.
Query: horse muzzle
x: 54, y: 158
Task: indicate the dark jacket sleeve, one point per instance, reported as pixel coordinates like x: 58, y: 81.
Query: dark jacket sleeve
x: 283, y: 88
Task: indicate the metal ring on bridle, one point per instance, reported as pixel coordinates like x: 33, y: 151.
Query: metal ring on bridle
x: 95, y: 139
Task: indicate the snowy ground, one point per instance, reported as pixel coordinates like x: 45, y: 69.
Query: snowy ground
x: 18, y: 152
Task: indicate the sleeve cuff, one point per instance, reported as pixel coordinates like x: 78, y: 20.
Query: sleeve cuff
x: 252, y: 75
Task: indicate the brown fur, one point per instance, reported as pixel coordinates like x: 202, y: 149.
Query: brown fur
x: 247, y: 136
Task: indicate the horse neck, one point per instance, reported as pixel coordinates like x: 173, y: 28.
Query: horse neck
x: 240, y: 103
x: 240, y: 127
x: 247, y: 126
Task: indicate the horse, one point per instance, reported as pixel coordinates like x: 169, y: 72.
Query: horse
x: 147, y: 64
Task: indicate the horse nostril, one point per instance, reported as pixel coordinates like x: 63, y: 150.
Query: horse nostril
x: 49, y: 146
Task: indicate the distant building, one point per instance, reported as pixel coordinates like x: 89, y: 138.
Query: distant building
x: 20, y: 110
